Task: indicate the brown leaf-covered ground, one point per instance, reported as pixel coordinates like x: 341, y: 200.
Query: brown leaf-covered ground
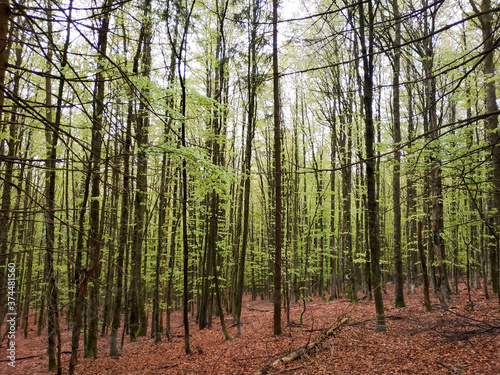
x: 462, y: 340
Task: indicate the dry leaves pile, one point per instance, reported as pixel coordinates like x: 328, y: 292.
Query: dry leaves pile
x: 465, y: 339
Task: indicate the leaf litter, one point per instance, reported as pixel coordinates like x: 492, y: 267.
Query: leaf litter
x: 464, y: 339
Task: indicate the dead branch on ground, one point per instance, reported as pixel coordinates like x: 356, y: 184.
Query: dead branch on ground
x: 305, y: 349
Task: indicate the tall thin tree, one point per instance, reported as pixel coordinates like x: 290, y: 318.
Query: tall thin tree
x: 277, y: 179
x: 396, y: 179
x: 373, y: 210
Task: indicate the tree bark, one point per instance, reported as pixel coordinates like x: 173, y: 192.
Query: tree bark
x: 180, y: 57
x: 122, y: 237
x: 489, y: 47
x: 138, y: 318
x: 5, y: 13
x: 277, y: 179
x: 427, y: 300
x: 95, y: 162
x: 396, y: 181
x: 373, y: 219
x: 93, y: 178
x: 247, y: 162
x: 305, y: 350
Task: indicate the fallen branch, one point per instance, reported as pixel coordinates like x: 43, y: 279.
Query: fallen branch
x: 305, y: 349
x: 21, y: 358
x: 453, y: 371
x: 259, y: 310
x: 166, y: 367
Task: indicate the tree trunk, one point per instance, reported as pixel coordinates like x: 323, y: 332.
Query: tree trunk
x: 95, y: 162
x: 122, y: 237
x: 350, y: 288
x: 411, y: 208
x: 332, y: 243
x: 396, y: 181
x: 180, y: 57
x: 489, y: 47
x: 93, y: 177
x: 442, y: 285
x: 427, y: 300
x: 5, y: 13
x: 52, y: 138
x: 373, y: 219
x: 277, y: 179
x: 247, y: 162
x: 138, y: 318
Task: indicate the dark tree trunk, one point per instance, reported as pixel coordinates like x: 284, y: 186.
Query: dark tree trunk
x: 373, y: 219
x: 138, y: 317
x: 5, y: 219
x: 277, y: 179
x: 95, y: 162
x: 247, y: 162
x: 122, y: 237
x: 93, y: 178
x: 396, y: 182
x: 489, y: 47
x: 420, y: 245
x: 411, y: 210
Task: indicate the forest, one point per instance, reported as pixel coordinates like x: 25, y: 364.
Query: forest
x: 171, y: 169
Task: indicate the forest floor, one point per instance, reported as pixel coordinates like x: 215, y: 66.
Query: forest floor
x: 465, y: 339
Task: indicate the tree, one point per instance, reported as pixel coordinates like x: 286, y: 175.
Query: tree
x: 173, y: 166
x: 277, y: 178
x: 5, y: 13
x: 253, y: 82
x: 92, y: 178
x: 138, y: 318
x: 180, y: 50
x: 52, y: 138
x: 396, y: 198
x: 485, y: 16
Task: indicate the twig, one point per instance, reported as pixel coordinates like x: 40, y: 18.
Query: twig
x: 449, y: 368
x: 19, y: 359
x: 303, y: 311
x: 259, y: 310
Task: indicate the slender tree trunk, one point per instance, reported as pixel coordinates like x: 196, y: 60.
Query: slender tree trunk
x: 29, y: 265
x: 277, y: 179
x: 180, y: 52
x: 247, y: 162
x: 490, y: 44
x: 52, y: 138
x: 171, y: 259
x: 350, y: 287
x: 96, y: 147
x: 333, y: 252
x: 373, y: 219
x: 411, y: 208
x: 396, y: 181
x: 93, y: 177
x: 156, y: 327
x: 122, y: 237
x: 113, y: 229
x: 5, y: 13
x: 427, y: 299
x: 138, y: 317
